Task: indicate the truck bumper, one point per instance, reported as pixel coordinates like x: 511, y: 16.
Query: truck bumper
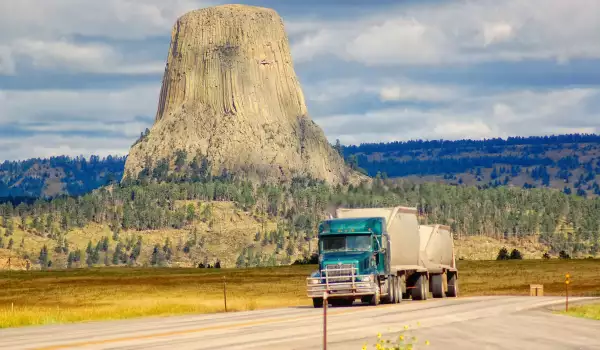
x: 315, y: 288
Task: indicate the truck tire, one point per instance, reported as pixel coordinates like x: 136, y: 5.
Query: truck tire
x: 387, y: 299
x: 317, y: 303
x: 398, y: 290
x: 376, y: 298
x: 437, y: 286
x: 421, y: 288
x: 403, y: 291
x: 392, y: 289
x: 452, y: 285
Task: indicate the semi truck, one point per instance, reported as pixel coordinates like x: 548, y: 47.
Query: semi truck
x: 382, y: 255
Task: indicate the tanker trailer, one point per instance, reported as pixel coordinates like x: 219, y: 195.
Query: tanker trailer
x: 437, y: 255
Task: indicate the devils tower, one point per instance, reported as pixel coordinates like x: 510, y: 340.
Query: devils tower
x: 230, y: 95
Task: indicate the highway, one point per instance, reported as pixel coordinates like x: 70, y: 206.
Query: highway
x: 457, y: 323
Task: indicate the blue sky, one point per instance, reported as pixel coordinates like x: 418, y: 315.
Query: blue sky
x: 81, y: 77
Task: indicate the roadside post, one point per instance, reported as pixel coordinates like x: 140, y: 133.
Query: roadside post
x: 225, y: 293
x: 567, y: 281
x: 325, y: 302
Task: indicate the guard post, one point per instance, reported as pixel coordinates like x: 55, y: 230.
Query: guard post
x: 567, y: 282
x: 325, y: 302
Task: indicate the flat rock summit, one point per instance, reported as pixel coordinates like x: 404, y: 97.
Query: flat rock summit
x: 230, y: 95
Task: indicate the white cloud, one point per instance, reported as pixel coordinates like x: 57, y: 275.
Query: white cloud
x: 7, y: 64
x: 415, y: 92
x: 496, y: 32
x: 116, y: 19
x: 484, y: 115
x: 88, y: 58
x: 44, y: 32
x: 57, y: 113
x: 459, y: 32
x: 90, y: 105
x: 45, y: 146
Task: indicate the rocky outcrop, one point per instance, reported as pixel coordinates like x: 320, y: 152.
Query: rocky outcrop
x: 230, y: 95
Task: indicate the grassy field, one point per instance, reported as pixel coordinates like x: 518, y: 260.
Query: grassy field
x: 37, y: 297
x: 586, y: 311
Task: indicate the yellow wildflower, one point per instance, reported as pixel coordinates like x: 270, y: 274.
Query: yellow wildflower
x: 426, y: 342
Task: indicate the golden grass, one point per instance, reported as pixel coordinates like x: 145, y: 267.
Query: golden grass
x: 513, y: 277
x: 591, y: 311
x: 37, y: 297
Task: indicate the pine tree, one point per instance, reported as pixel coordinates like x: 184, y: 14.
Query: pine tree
x: 118, y: 254
x: 43, y: 258
x: 10, y: 243
x: 105, y: 244
x: 155, y: 258
x: 70, y: 260
x: 168, y: 249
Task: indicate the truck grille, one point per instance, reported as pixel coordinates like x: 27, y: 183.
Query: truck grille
x: 339, y: 270
x: 342, y: 270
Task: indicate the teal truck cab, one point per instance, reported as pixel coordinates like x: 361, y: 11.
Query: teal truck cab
x: 352, y: 256
x: 382, y: 255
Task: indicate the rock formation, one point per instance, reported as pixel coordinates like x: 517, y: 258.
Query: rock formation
x: 230, y: 94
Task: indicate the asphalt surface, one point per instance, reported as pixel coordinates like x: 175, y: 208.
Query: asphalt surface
x: 452, y: 323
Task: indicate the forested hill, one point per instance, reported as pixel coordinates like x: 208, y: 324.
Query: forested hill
x: 58, y: 175
x: 570, y: 163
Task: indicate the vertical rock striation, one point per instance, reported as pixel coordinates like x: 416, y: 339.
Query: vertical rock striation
x: 230, y: 95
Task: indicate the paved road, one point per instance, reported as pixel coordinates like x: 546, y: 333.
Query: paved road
x: 462, y: 323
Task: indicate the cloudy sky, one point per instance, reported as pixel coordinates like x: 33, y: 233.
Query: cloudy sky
x: 81, y: 77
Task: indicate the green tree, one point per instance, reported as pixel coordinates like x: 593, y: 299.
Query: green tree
x: 515, y: 255
x: 191, y: 213
x: 503, y: 254
x: 167, y: 249
x: 118, y: 254
x: 43, y: 257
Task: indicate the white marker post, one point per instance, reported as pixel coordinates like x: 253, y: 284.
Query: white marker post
x: 325, y: 302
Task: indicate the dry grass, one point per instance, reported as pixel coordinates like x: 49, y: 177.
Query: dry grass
x: 591, y: 311
x: 513, y: 277
x: 116, y: 293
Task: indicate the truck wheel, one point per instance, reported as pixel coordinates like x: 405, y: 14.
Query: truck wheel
x: 348, y: 302
x: 403, y: 291
x: 387, y: 299
x: 437, y: 286
x: 452, y: 285
x: 420, y: 290
x: 392, y: 289
x: 398, y: 290
x: 317, y: 302
x: 375, y: 299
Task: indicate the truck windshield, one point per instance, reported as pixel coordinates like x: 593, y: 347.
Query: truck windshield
x: 346, y: 243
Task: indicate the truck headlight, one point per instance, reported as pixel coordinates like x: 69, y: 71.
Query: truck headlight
x: 313, y: 281
x: 368, y: 278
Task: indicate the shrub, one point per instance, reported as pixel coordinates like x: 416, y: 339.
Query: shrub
x: 563, y: 255
x: 546, y: 256
x: 516, y: 255
x: 403, y: 342
x: 503, y: 254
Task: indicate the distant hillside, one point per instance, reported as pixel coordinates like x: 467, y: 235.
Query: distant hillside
x: 570, y: 163
x: 58, y: 175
